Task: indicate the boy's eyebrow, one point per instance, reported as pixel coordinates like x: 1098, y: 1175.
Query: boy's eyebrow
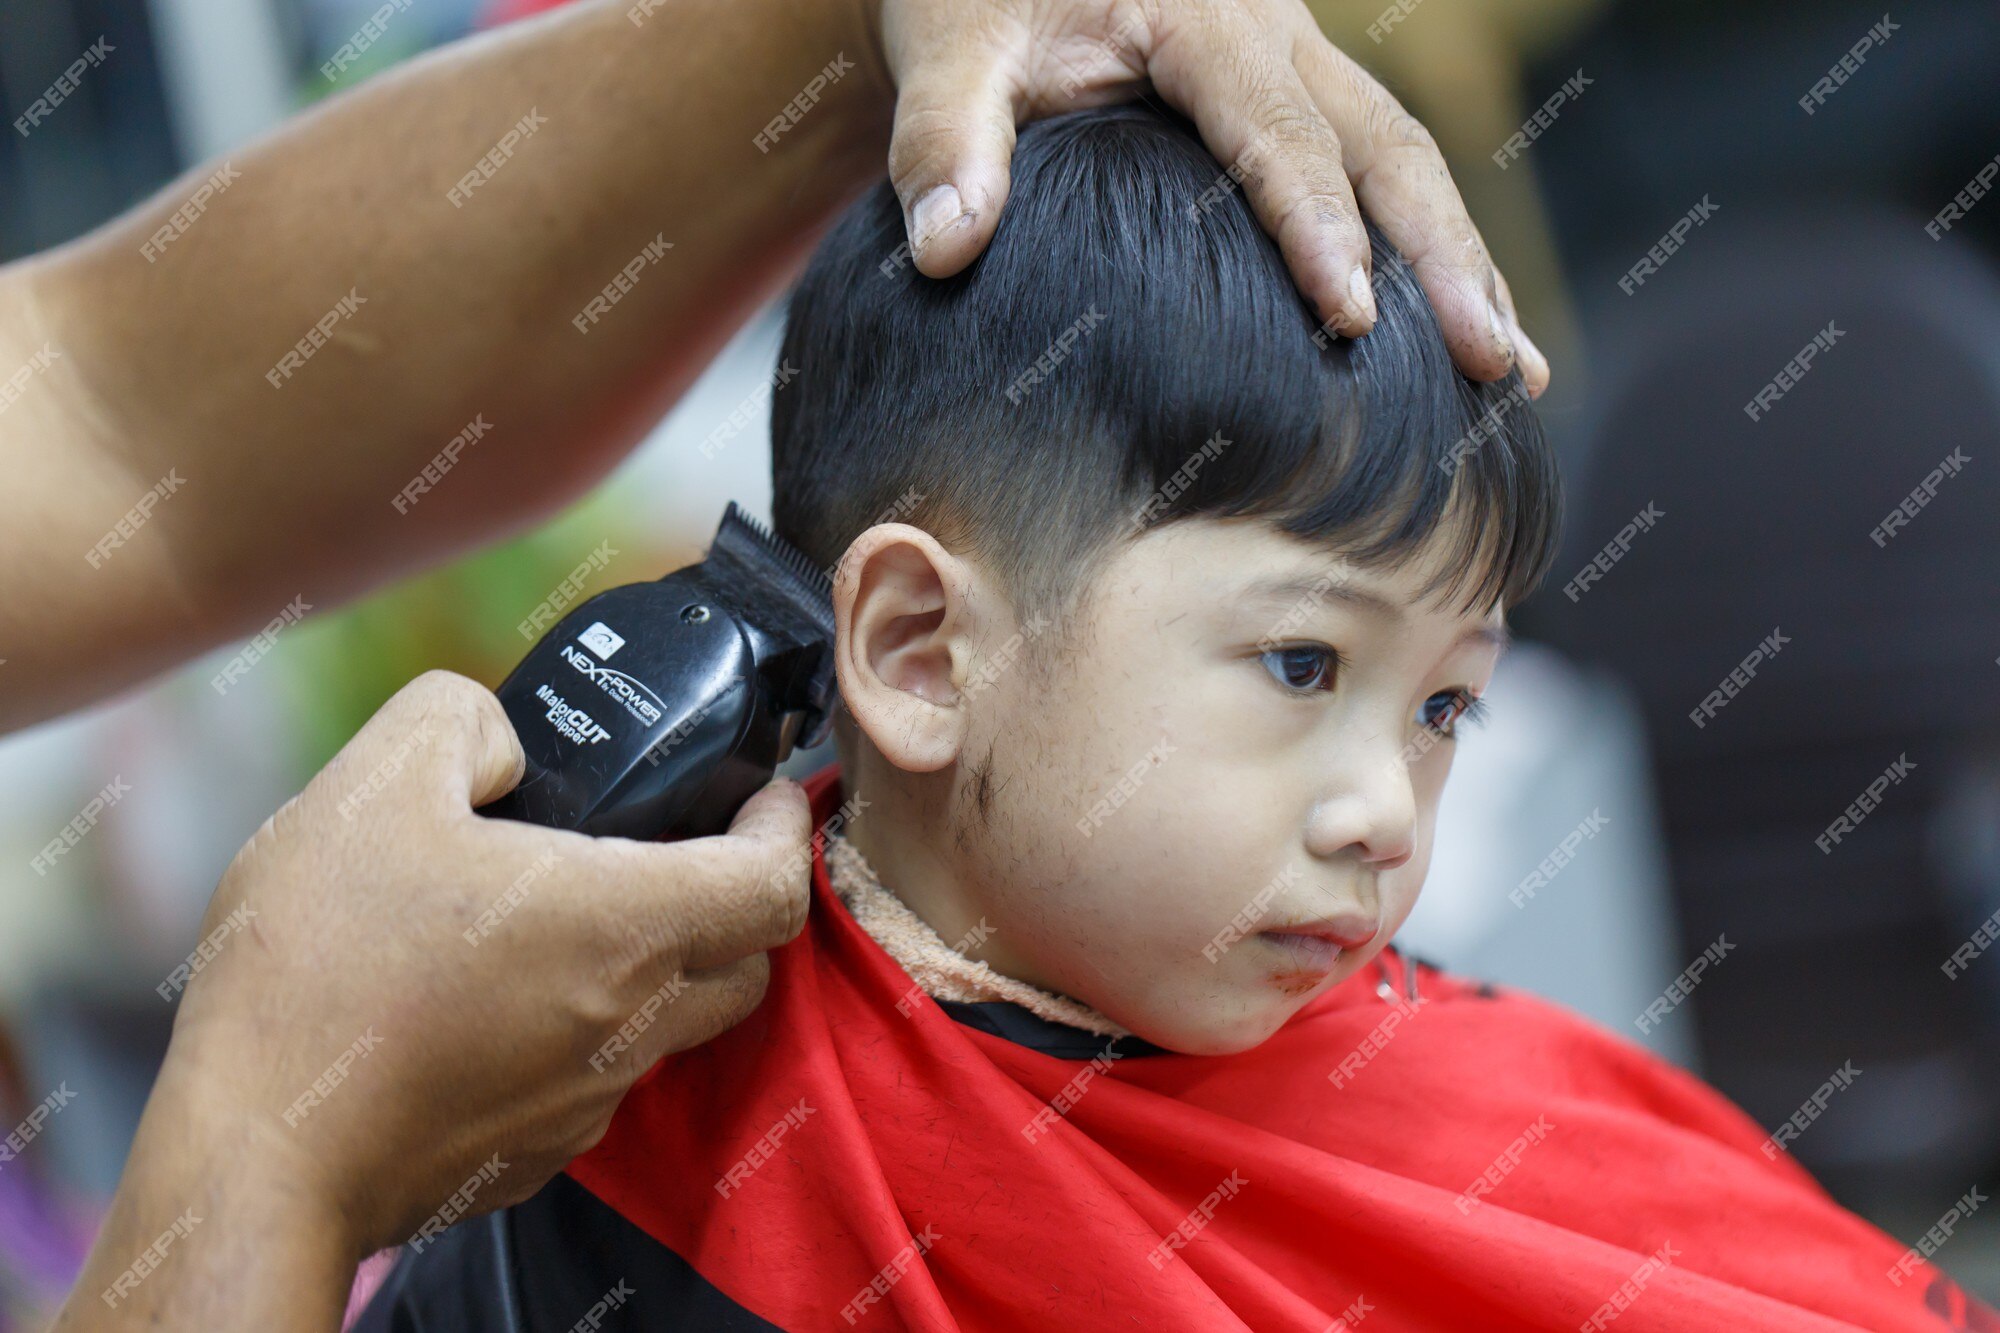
x: 1299, y: 589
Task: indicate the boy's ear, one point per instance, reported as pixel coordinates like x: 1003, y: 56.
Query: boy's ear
x: 903, y: 607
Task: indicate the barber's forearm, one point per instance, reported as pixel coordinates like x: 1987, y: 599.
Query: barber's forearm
x: 449, y: 292
x: 212, y: 1228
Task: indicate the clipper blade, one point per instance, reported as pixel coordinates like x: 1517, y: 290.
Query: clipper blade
x: 784, y: 599
x: 748, y: 549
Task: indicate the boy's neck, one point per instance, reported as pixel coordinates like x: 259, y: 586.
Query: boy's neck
x: 946, y: 972
x: 903, y: 832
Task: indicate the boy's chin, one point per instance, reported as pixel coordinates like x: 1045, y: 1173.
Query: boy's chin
x: 1210, y: 1035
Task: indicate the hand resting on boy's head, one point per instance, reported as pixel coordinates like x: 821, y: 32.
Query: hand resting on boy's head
x: 1304, y: 129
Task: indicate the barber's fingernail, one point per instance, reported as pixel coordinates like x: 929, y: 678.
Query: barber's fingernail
x: 936, y: 211
x: 1363, y: 294
x: 1534, y: 366
x: 1503, y: 342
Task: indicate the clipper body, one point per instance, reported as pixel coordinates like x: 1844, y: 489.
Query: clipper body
x: 659, y: 708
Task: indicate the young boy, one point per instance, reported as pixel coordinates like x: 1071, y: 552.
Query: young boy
x: 1159, y: 610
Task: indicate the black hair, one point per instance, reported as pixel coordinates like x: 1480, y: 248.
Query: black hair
x: 1130, y: 350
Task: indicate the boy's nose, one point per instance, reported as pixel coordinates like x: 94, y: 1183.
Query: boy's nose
x: 1391, y: 860
x: 1370, y: 812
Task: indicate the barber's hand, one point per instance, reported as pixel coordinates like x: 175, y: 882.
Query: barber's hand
x: 1306, y: 130
x: 412, y: 988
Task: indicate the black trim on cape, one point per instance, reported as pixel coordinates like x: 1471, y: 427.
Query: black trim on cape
x: 540, y: 1266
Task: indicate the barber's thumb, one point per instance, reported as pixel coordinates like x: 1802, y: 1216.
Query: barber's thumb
x: 949, y: 157
x: 451, y: 732
x: 778, y: 814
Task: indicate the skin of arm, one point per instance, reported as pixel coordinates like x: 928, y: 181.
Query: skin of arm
x: 215, y: 1226
x: 269, y: 487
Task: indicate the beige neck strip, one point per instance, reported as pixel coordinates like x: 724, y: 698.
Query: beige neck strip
x: 940, y: 970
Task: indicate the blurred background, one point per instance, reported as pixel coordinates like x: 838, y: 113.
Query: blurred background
x: 1596, y: 840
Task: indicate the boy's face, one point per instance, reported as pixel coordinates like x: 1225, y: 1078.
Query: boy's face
x: 1210, y: 800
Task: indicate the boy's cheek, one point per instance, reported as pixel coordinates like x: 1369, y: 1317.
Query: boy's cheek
x: 1129, y: 934
x: 1402, y: 887
x: 1427, y: 780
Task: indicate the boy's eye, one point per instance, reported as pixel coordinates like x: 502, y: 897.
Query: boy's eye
x: 1442, y: 711
x: 1304, y: 668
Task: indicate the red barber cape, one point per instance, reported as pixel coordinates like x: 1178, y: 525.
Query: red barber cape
x: 852, y: 1155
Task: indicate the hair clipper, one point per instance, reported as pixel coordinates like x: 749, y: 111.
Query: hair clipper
x: 660, y: 708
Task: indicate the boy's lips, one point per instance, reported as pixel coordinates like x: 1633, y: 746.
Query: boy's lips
x: 1315, y: 948
x: 1308, y: 955
x: 1345, y: 930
